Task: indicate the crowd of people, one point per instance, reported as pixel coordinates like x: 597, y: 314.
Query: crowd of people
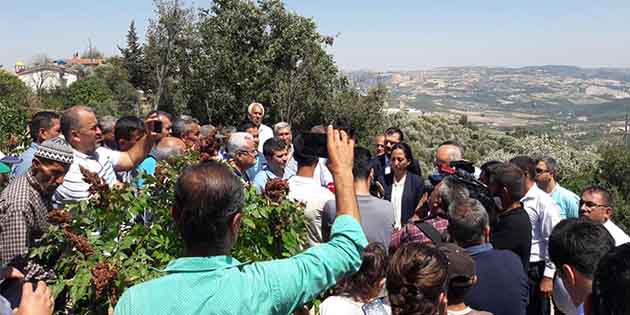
x: 502, y: 238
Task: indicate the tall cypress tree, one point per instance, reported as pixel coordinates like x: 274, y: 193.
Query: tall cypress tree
x: 133, y: 59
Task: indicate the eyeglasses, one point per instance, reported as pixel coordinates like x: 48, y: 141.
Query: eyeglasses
x: 541, y: 171
x: 253, y: 152
x: 590, y: 204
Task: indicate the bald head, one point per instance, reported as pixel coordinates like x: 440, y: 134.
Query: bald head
x: 447, y: 153
x: 80, y: 128
x: 170, y: 147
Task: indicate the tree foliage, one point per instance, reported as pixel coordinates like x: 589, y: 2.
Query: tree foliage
x: 94, y: 92
x: 170, y: 38
x: 133, y: 59
x: 14, y: 97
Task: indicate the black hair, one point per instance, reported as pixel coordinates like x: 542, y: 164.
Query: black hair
x: 300, y: 154
x: 373, y: 270
x: 42, y: 120
x: 511, y: 177
x: 206, y: 197
x: 412, y: 168
x: 527, y: 164
x: 611, y: 283
x: 273, y: 145
x: 579, y: 243
x: 246, y: 125
x: 595, y: 189
x: 393, y: 130
x: 362, y: 166
x: 126, y: 126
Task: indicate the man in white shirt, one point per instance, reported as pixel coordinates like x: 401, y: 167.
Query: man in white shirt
x: 80, y: 128
x: 256, y: 113
x: 543, y: 214
x: 595, y: 205
x: 303, y: 188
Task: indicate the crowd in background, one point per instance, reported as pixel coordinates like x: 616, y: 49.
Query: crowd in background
x: 499, y: 238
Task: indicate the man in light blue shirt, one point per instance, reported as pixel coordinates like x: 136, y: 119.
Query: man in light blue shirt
x: 43, y: 126
x: 207, y: 280
x: 546, y: 179
x: 276, y: 155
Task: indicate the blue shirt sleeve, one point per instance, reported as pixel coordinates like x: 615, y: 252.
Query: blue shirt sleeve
x: 297, y: 280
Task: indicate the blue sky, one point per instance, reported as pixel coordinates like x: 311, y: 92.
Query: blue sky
x: 380, y: 35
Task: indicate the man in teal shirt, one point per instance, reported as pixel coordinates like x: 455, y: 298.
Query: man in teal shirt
x: 208, y: 201
x: 546, y: 179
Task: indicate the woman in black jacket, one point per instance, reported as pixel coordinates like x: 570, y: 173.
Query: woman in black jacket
x: 404, y: 186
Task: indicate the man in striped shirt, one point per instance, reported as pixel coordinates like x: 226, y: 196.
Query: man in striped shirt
x: 80, y: 128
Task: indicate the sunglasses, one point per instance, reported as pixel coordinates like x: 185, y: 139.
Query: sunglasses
x: 590, y: 204
x: 541, y: 171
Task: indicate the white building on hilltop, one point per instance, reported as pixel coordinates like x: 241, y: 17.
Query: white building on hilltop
x: 47, y: 77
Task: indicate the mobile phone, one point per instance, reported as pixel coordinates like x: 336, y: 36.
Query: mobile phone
x: 157, y: 126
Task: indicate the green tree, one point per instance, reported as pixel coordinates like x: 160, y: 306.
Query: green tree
x: 170, y: 37
x: 92, y: 92
x: 261, y: 52
x: 14, y: 97
x: 115, y: 76
x: 133, y: 59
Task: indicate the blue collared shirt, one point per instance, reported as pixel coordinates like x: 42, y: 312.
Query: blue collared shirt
x: 27, y: 160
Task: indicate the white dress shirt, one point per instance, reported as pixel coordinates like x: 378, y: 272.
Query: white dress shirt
x: 398, y: 188
x: 543, y: 214
x: 618, y: 234
x: 264, y: 133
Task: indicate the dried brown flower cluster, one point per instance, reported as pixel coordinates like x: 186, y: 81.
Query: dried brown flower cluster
x: 59, y: 216
x: 79, y: 241
x: 97, y: 185
x: 276, y: 189
x: 103, y: 275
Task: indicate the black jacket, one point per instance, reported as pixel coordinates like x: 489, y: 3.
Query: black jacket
x: 378, y: 165
x: 412, y: 193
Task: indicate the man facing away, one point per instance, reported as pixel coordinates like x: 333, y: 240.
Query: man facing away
x: 575, y: 247
x: 502, y: 287
x: 547, y: 180
x: 43, y: 126
x: 513, y: 228
x: 377, y: 215
x: 305, y: 189
x: 207, y: 280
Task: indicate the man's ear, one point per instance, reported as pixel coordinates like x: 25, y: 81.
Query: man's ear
x: 235, y: 225
x: 36, y: 164
x: 41, y: 133
x: 568, y: 275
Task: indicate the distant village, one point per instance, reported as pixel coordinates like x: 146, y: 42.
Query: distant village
x: 60, y: 73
